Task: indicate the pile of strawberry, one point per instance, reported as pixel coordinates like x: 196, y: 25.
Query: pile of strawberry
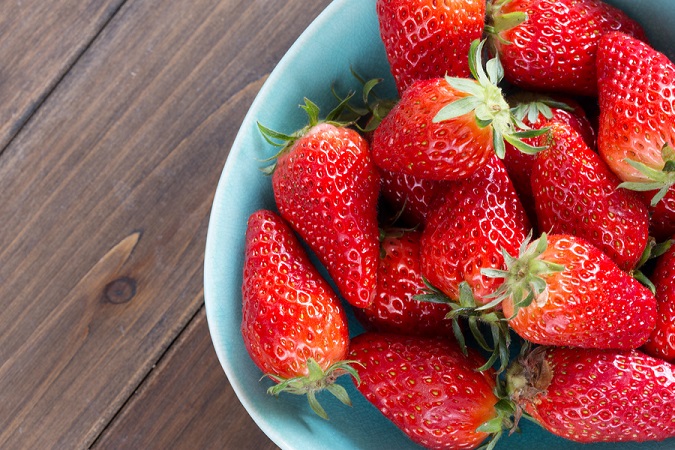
x: 530, y: 197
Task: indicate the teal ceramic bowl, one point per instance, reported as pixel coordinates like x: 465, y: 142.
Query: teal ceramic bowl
x: 345, y: 34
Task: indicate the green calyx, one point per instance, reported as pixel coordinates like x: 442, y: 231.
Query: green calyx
x: 534, y: 106
x: 657, y: 180
x: 498, y: 21
x: 285, y: 141
x: 368, y: 116
x: 486, y: 100
x: 476, y: 316
x: 315, y: 381
x: 652, y: 251
x: 525, y: 275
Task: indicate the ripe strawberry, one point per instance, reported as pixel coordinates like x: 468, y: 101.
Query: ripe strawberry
x: 447, y: 129
x: 326, y: 186
x: 662, y: 215
x: 537, y: 112
x: 428, y: 388
x: 662, y: 341
x: 551, y: 45
x: 399, y: 279
x: 636, y: 134
x: 596, y: 395
x: 409, y: 195
x: 576, y: 193
x: 468, y: 226
x: 429, y: 39
x: 293, y: 325
x: 561, y: 290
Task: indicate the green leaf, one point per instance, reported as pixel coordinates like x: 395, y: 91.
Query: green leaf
x: 648, y: 172
x: 316, y: 406
x: 312, y: 111
x: 495, y: 70
x: 475, y: 62
x: 642, y: 278
x: 467, y: 85
x: 530, y: 133
x: 498, y: 143
x: 522, y: 146
x: 456, y: 109
x: 504, y: 22
x: 459, y: 336
x: 340, y: 393
x: 491, y: 426
x: 269, y: 134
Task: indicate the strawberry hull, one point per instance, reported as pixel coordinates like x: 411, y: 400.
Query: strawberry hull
x: 601, y: 396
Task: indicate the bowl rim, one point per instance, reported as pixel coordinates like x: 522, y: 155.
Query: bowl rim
x: 210, y: 257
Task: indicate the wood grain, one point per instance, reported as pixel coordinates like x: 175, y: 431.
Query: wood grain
x: 39, y: 42
x: 106, y: 196
x: 196, y: 415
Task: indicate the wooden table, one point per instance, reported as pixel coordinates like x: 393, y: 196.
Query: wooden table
x: 116, y: 118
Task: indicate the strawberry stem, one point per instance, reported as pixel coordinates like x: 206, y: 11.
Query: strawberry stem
x: 486, y: 101
x: 466, y: 307
x: 524, y: 277
x: 656, y: 180
x: 315, y: 381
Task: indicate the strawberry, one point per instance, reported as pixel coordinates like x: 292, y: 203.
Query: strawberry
x: 596, y: 395
x: 552, y: 44
x: 537, y: 112
x: 429, y: 389
x: 662, y: 341
x: 447, y: 129
x: 662, y: 215
x: 468, y: 226
x: 326, y: 186
x: 409, y: 195
x: 636, y: 132
x: 576, y: 193
x: 561, y: 290
x: 429, y: 39
x: 293, y: 324
x: 399, y: 280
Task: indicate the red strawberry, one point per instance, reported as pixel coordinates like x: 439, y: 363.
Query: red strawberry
x: 552, y: 44
x: 662, y: 215
x: 326, y: 186
x: 597, y: 395
x: 562, y: 290
x: 398, y: 280
x: 409, y: 195
x: 662, y: 341
x: 468, y: 226
x: 293, y: 325
x: 537, y: 112
x: 429, y: 39
x: 576, y: 193
x: 428, y: 388
x: 636, y: 134
x: 447, y: 129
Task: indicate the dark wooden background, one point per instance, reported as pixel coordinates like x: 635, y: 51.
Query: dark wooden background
x: 116, y: 118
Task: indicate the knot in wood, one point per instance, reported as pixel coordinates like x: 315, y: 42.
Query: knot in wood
x: 120, y: 290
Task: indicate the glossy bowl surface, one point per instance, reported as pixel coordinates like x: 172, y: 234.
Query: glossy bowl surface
x: 345, y: 34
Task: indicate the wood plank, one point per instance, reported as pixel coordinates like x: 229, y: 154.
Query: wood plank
x: 39, y: 42
x: 111, y: 185
x: 205, y: 414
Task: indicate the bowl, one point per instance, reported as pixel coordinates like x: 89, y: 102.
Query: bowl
x: 344, y: 35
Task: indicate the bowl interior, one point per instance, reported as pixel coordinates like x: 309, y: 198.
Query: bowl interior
x: 345, y: 35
